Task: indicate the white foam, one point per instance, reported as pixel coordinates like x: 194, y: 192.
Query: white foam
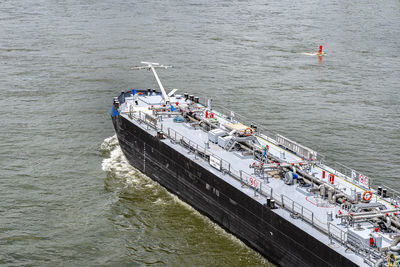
x: 117, y: 164
x: 109, y: 143
x: 312, y: 54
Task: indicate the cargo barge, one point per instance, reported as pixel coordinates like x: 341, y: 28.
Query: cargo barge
x: 273, y: 193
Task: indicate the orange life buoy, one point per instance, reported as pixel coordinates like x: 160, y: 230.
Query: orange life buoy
x: 248, y: 132
x: 140, y: 93
x: 369, y: 195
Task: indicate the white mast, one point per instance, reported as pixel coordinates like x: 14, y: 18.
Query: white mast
x: 151, y: 66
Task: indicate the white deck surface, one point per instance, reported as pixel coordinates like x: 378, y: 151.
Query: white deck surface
x: 312, y: 202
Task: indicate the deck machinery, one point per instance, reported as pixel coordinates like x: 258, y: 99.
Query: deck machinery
x: 273, y: 193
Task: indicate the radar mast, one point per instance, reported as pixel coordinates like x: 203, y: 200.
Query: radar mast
x: 152, y: 66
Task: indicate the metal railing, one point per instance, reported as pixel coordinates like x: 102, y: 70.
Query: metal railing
x: 339, y: 169
x: 244, y: 178
x: 226, y: 113
x: 148, y: 119
x: 308, y: 216
x: 345, y: 172
x: 261, y: 188
x: 392, y: 194
x: 336, y: 233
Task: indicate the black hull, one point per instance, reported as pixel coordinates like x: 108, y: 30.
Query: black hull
x: 274, y: 237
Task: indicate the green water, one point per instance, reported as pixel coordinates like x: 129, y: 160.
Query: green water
x: 67, y: 197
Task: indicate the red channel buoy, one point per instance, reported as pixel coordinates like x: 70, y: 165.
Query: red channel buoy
x: 320, y: 50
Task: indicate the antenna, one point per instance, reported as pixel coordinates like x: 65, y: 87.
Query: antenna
x: 151, y: 66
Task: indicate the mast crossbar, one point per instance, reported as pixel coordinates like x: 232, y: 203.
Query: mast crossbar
x: 152, y: 66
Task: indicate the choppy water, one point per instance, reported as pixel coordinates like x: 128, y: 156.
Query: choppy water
x: 67, y: 195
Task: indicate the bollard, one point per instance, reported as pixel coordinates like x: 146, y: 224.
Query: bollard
x: 268, y: 202
x: 272, y: 204
x: 329, y: 216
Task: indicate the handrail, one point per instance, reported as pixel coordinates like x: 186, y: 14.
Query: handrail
x: 267, y: 191
x: 340, y: 169
x: 227, y: 113
x: 395, y: 195
x: 343, y: 172
x: 257, y: 185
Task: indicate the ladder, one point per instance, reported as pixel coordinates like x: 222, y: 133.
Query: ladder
x: 231, y: 143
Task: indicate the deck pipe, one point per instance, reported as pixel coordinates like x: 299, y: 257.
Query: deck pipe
x: 395, y: 223
x: 368, y: 213
x: 389, y: 223
x: 340, y: 195
x: 363, y: 217
x: 330, y: 194
x: 199, y: 120
x: 393, y: 246
x: 321, y: 189
x: 336, y: 196
x: 316, y: 181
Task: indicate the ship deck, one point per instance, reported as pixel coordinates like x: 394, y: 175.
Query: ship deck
x: 297, y: 200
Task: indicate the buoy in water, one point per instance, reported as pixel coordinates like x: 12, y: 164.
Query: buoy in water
x: 318, y: 54
x: 320, y: 50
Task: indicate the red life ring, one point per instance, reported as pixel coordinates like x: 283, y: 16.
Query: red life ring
x: 248, y: 132
x: 369, y: 195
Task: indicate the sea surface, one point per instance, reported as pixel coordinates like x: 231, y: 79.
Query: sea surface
x: 68, y: 196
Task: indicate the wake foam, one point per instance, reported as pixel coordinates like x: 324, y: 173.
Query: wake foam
x: 312, y: 54
x: 120, y: 171
x: 116, y: 165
